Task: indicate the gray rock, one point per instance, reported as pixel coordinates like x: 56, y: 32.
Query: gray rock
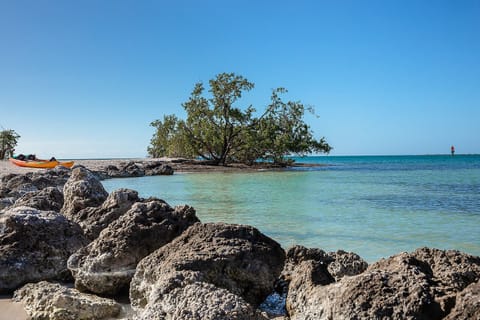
x: 418, y: 285
x: 326, y: 267
x: 82, y: 190
x: 211, y: 271
x: 6, y: 202
x: 14, y: 181
x: 131, y: 169
x: 107, y: 265
x: 155, y: 168
x: 95, y: 219
x: 467, y: 304
x: 35, y: 245
x: 47, y: 199
x: 56, y: 177
x: 52, y: 301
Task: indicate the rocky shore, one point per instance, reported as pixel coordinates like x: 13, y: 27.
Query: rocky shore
x: 70, y: 250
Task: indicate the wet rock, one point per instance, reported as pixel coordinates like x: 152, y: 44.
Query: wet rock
x: 155, y: 168
x: 52, y: 301
x: 418, y: 285
x: 211, y: 271
x: 35, y: 245
x: 82, y: 190
x: 130, y: 169
x: 95, y: 219
x: 107, y: 265
x: 47, y: 199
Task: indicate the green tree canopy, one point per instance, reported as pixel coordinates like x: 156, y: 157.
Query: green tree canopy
x: 8, y: 142
x: 217, y: 129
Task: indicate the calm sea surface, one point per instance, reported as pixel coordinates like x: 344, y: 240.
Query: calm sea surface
x: 375, y: 206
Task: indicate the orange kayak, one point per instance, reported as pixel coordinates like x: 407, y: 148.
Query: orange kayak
x: 41, y: 164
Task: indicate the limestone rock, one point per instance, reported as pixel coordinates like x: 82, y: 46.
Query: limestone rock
x: 107, y: 265
x: 35, y: 245
x: 52, y: 301
x: 418, y: 285
x: 95, y: 219
x: 226, y: 270
x: 17, y: 185
x: 467, y: 304
x: 47, y: 199
x: 14, y: 181
x: 155, y: 168
x: 6, y: 202
x: 130, y: 169
x: 82, y: 190
x: 56, y: 177
x: 333, y: 265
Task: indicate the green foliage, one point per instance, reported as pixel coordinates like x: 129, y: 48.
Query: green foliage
x: 213, y: 126
x: 8, y: 142
x: 169, y: 140
x: 218, y: 130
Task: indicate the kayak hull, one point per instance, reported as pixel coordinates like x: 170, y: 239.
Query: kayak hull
x: 40, y: 164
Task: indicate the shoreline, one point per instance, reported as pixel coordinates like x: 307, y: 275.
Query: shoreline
x: 178, y: 165
x: 204, y: 247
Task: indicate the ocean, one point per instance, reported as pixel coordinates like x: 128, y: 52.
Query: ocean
x: 375, y: 206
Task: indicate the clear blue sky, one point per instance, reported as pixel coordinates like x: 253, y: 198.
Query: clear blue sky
x: 81, y: 79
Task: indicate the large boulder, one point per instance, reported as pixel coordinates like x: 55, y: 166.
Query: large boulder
x: 155, y: 168
x: 211, y: 271
x: 47, y: 199
x: 16, y: 185
x: 35, y: 245
x: 56, y: 177
x: 82, y: 190
x: 95, y: 219
x: 52, y: 301
x: 419, y: 285
x: 34, y: 188
x: 107, y: 264
x: 309, y: 268
x: 467, y: 304
x: 129, y: 169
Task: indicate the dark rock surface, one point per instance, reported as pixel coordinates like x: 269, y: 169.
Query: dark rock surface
x: 35, y: 245
x: 47, y: 199
x: 211, y: 271
x: 95, y: 219
x: 82, y: 190
x: 135, y: 169
x: 155, y: 168
x: 52, y: 301
x: 467, y: 304
x: 107, y: 265
x: 419, y: 285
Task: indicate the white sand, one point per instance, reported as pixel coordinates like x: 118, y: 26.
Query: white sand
x: 10, y: 310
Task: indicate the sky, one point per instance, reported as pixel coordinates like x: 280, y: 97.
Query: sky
x: 84, y: 79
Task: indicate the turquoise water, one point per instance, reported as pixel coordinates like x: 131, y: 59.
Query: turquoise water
x: 375, y: 206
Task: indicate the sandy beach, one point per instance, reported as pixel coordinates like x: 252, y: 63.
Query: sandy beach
x: 6, y: 167
x: 11, y: 310
x: 178, y: 165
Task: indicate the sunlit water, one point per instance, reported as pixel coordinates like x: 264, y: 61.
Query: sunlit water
x: 374, y: 206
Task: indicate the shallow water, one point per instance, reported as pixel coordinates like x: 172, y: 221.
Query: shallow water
x: 374, y: 206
